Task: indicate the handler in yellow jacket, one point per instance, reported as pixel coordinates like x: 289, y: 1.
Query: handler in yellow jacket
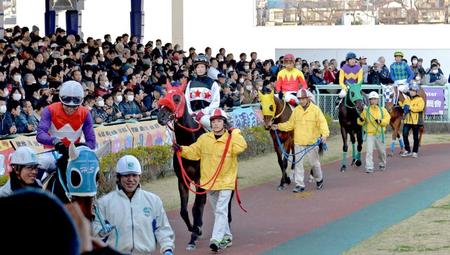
x: 374, y: 119
x: 309, y: 124
x: 209, y: 149
x: 413, y: 108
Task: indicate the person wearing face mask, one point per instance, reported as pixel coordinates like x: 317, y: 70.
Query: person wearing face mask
x: 434, y: 77
x: 42, y: 79
x: 202, y: 93
x: 250, y: 95
x: 289, y: 81
x: 99, y: 115
x: 103, y: 86
x: 64, y: 122
x: 117, y: 99
x: 415, y: 67
x: 6, y: 127
x: 16, y: 79
x: 129, y: 107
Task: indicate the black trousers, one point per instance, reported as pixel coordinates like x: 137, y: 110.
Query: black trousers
x: 415, y: 129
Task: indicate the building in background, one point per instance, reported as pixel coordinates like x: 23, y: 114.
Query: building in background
x: 351, y: 12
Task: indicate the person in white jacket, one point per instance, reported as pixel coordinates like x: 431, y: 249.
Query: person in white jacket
x: 138, y: 215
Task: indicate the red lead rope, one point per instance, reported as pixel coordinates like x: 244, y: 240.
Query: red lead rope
x: 188, y: 181
x: 192, y: 130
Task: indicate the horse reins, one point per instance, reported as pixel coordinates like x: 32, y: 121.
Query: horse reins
x: 281, y: 113
x: 304, y: 151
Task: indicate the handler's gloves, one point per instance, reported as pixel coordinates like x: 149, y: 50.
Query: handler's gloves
x: 406, y: 109
x: 342, y: 93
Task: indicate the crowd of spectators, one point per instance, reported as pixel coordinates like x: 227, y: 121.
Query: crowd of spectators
x: 123, y: 79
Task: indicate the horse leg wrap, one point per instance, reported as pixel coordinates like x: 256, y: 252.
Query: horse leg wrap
x: 402, y: 144
x: 353, y: 151
x: 358, y: 155
x: 344, y: 158
x: 393, y: 146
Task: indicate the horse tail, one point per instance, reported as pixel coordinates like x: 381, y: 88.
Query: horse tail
x: 421, y: 131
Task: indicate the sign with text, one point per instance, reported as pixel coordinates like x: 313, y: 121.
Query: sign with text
x: 147, y: 133
x: 435, y: 101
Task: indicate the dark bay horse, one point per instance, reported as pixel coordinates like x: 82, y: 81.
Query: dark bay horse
x: 173, y: 108
x: 75, y: 179
x: 277, y: 111
x: 396, y: 112
x: 349, y: 111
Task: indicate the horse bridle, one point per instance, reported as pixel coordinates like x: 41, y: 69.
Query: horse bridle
x: 279, y: 114
x: 172, y: 118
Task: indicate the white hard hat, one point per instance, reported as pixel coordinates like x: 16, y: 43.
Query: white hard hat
x: 128, y: 165
x: 24, y: 156
x: 218, y: 113
x: 374, y: 94
x: 71, y: 93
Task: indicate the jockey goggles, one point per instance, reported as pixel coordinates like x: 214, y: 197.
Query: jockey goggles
x: 71, y: 101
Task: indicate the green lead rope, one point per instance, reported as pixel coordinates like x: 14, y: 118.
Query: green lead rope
x: 375, y: 124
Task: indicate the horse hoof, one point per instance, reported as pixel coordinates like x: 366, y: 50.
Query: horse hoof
x: 358, y: 162
x: 191, y: 247
x: 343, y: 168
x: 280, y: 188
x: 353, y: 162
x: 390, y: 154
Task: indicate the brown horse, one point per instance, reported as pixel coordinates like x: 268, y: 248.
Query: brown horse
x: 396, y: 112
x: 277, y: 111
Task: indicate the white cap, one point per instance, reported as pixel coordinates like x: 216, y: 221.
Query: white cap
x: 24, y: 156
x: 71, y: 89
x: 128, y: 165
x: 373, y: 94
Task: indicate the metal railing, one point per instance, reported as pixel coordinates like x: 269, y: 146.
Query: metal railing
x: 327, y: 96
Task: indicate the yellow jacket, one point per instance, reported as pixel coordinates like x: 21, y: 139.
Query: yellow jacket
x: 370, y: 115
x: 416, y: 107
x: 209, y: 151
x: 308, y: 125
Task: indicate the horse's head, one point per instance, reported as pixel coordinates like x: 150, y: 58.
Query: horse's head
x: 82, y: 174
x: 355, y: 96
x: 172, y: 106
x: 268, y: 106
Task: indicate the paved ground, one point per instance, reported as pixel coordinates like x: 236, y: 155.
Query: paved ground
x: 286, y: 223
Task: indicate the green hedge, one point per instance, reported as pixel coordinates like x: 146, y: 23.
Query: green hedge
x: 3, y: 179
x: 156, y: 161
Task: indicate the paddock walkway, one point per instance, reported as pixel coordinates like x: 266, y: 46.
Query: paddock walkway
x: 352, y: 207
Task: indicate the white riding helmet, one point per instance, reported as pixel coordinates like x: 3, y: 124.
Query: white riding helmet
x: 71, y: 93
x: 24, y: 156
x: 128, y: 165
x: 374, y: 94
